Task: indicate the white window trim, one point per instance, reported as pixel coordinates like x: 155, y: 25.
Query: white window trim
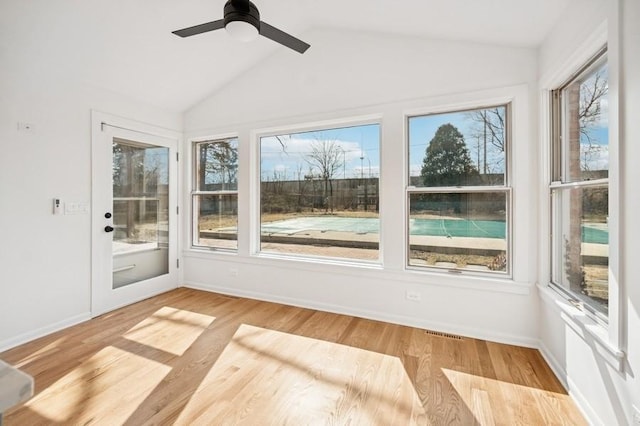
x: 506, y: 189
x: 191, y: 191
x: 517, y: 99
x: 392, y: 118
x: 607, y: 336
x: 255, y: 173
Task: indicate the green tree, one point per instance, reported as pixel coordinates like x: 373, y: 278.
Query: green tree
x: 447, y: 161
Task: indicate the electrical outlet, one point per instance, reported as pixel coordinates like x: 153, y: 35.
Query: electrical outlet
x: 636, y: 415
x: 414, y: 296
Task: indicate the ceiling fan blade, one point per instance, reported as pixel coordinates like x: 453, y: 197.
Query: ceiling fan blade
x: 199, y: 29
x: 283, y: 38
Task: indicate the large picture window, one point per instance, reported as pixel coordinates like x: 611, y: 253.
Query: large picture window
x: 215, y: 194
x: 319, y: 193
x: 580, y: 187
x: 458, y: 194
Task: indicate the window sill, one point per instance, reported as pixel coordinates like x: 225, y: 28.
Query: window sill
x: 216, y: 250
x: 372, y: 270
x: 594, y: 334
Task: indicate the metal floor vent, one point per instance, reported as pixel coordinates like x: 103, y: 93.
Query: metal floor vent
x: 445, y: 335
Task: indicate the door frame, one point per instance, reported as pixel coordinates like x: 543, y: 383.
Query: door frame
x: 104, y: 299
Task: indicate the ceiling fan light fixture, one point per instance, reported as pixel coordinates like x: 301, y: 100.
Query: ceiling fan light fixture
x: 241, y: 31
x: 242, y: 20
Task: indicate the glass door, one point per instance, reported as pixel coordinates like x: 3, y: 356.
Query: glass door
x: 134, y: 215
x: 140, y: 212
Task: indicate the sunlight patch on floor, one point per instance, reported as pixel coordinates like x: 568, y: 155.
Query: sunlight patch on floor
x: 42, y: 352
x: 272, y: 377
x: 117, y: 392
x: 170, y: 330
x: 474, y: 390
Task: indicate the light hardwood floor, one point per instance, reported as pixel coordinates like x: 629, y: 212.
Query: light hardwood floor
x: 189, y: 357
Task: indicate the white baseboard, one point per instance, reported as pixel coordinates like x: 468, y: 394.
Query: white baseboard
x: 571, y: 388
x: 557, y: 369
x: 476, y: 333
x: 35, y: 334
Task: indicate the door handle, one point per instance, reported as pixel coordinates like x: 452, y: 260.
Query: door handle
x: 108, y: 228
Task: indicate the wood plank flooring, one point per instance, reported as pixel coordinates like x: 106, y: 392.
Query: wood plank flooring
x: 189, y: 357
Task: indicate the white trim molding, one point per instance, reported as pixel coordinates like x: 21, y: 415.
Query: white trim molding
x: 589, y: 330
x: 43, y: 331
x: 472, y: 332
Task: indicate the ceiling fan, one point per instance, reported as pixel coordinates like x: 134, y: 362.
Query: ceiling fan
x: 242, y: 21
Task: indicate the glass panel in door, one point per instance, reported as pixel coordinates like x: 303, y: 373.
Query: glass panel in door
x: 140, y: 212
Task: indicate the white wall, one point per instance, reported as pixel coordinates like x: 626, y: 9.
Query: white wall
x: 45, y: 260
x: 346, y: 70
x: 578, y: 22
x: 583, y: 360
x: 345, y: 75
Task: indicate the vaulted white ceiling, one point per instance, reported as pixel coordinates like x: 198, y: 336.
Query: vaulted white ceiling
x: 126, y: 46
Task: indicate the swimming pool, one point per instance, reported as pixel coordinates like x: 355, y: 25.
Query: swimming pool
x: 592, y: 233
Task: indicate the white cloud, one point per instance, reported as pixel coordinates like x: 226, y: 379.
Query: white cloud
x: 603, y: 118
x: 594, y: 157
x: 273, y: 148
x: 288, y: 157
x: 415, y: 169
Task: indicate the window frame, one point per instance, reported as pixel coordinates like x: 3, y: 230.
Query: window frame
x: 256, y: 189
x: 607, y: 338
x: 506, y: 187
x: 558, y: 181
x: 195, y: 192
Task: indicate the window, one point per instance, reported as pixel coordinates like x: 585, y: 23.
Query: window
x: 458, y: 194
x: 319, y: 193
x: 580, y: 188
x: 215, y: 194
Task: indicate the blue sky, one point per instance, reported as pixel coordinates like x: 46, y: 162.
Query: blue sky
x: 595, y: 155
x: 595, y: 148
x: 364, y: 141
x: 361, y: 147
x: 423, y: 128
x: 354, y: 142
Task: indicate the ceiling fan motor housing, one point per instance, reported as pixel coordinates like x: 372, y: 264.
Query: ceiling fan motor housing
x: 241, y: 10
x: 239, y: 13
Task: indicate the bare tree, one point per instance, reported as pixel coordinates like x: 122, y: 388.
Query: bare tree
x: 218, y: 163
x: 326, y: 157
x: 592, y: 92
x: 583, y: 114
x: 588, y: 154
x: 302, y: 184
x: 279, y: 178
x: 590, y: 109
x: 489, y: 132
x: 282, y: 140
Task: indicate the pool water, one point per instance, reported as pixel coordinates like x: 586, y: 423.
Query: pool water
x: 429, y: 227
